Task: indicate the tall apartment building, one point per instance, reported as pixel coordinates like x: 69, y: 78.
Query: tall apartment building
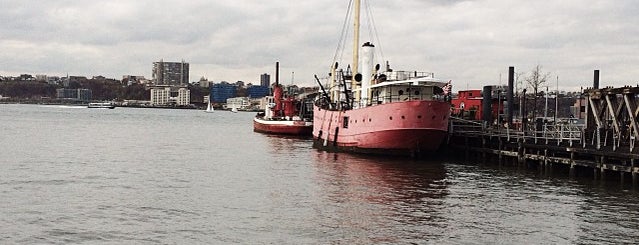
x: 265, y: 80
x: 170, y: 73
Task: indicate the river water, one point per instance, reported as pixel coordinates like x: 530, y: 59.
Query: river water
x: 160, y: 176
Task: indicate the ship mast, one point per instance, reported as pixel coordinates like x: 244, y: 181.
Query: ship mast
x: 355, y: 64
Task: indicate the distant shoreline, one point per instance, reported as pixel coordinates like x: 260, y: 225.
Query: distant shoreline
x: 32, y: 102
x: 86, y: 104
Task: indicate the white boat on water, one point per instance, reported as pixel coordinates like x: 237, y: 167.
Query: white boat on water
x: 209, y: 108
x: 101, y: 105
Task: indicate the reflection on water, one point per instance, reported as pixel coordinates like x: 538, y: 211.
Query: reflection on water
x: 286, y: 144
x: 385, y: 193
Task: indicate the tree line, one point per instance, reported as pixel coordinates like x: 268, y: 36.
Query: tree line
x: 102, y: 89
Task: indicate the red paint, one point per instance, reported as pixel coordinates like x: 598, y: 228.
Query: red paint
x: 278, y: 95
x: 284, y: 118
x: 404, y: 127
x: 284, y: 107
x: 290, y: 127
x: 471, y: 100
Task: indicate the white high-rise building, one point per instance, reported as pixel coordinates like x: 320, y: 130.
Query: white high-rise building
x: 160, y: 95
x: 183, y: 96
x: 164, y: 95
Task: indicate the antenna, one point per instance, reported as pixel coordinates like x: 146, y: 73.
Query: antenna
x: 556, y: 99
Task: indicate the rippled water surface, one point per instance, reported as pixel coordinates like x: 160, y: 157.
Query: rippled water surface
x: 158, y: 176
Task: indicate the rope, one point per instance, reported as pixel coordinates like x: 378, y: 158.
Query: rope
x: 372, y: 28
x: 342, y: 38
x: 372, y: 32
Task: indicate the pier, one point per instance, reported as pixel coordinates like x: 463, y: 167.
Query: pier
x: 600, y: 145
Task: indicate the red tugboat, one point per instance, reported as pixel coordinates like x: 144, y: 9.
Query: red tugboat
x: 285, y: 115
x: 380, y: 112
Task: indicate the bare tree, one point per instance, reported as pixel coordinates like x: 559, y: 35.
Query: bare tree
x: 518, y: 82
x: 536, y: 79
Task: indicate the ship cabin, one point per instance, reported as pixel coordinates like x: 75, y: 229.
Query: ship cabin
x: 403, y: 86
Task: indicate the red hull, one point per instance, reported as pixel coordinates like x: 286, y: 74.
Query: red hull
x: 288, y: 127
x: 403, y: 128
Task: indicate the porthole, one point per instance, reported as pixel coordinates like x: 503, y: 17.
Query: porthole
x: 434, y: 117
x: 391, y: 118
x: 419, y: 116
x: 403, y: 117
x: 369, y: 119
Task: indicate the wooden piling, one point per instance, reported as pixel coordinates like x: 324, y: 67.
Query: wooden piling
x: 500, y: 148
x: 467, y: 151
x: 572, y: 165
x: 633, y: 171
x: 603, y: 170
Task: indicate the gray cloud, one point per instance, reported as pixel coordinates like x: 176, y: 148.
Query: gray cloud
x: 470, y: 42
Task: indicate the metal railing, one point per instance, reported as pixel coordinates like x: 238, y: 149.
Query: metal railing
x: 561, y: 132
x: 403, y: 75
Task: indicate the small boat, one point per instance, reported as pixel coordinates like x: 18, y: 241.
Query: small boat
x: 285, y: 115
x: 209, y: 108
x: 373, y: 110
x: 101, y: 105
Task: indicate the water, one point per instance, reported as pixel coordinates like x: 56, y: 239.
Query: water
x: 153, y: 176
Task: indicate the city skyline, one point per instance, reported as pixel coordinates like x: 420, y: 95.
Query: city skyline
x: 469, y: 42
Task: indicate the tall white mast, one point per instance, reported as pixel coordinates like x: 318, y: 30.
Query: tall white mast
x: 355, y: 64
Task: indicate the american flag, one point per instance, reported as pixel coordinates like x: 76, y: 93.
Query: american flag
x: 447, y: 88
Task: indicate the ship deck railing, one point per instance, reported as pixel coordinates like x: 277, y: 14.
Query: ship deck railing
x: 404, y: 75
x: 376, y: 100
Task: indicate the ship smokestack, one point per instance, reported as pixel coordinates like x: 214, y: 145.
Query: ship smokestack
x: 277, y: 73
x: 487, y: 100
x: 509, y: 95
x: 367, y: 71
x: 595, y: 83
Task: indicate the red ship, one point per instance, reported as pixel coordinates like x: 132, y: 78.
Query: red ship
x: 383, y: 112
x: 285, y: 115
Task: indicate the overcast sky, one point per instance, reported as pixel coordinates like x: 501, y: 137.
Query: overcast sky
x: 470, y: 42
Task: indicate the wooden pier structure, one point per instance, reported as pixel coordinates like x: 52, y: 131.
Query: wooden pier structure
x: 603, y: 144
